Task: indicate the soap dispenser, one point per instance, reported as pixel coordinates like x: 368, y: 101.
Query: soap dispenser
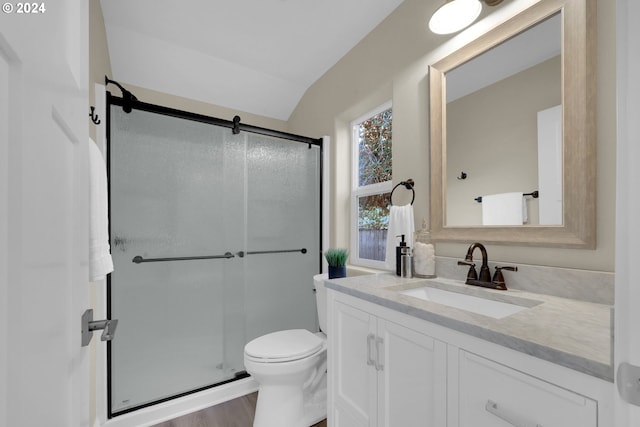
x: 401, y: 249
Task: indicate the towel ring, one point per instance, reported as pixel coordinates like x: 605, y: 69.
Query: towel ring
x: 408, y: 184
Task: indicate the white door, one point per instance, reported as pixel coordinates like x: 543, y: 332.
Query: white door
x: 43, y: 213
x: 627, y: 312
x: 550, y: 165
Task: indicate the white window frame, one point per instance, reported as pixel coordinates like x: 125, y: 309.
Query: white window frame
x: 367, y: 190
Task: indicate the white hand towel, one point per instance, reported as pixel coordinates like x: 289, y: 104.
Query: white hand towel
x: 504, y: 209
x: 400, y: 222
x: 100, y: 262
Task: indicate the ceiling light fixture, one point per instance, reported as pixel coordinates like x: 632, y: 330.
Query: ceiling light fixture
x: 455, y: 15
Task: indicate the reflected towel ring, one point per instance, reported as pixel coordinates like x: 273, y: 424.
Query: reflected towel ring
x: 408, y: 184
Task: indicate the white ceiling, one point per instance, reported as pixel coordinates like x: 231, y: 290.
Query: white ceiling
x: 258, y: 56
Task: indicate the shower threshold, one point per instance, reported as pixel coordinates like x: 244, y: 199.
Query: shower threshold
x: 237, y: 376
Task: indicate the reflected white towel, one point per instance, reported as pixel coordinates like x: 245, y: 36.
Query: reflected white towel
x: 504, y: 209
x: 100, y: 262
x: 400, y: 222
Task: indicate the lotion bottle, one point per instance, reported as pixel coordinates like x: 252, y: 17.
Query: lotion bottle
x: 406, y: 263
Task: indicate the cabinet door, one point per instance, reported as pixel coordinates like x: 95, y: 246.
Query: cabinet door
x: 352, y: 371
x: 493, y: 395
x: 411, y: 387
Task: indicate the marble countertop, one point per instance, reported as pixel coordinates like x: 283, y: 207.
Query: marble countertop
x: 571, y: 333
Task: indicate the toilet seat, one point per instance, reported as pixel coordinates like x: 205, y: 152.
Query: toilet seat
x: 284, y: 346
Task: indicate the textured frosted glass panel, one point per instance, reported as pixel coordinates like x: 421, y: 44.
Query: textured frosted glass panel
x: 170, y: 179
x: 283, y: 212
x: 187, y: 189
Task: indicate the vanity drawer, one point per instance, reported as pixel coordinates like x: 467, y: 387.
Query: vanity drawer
x: 494, y: 395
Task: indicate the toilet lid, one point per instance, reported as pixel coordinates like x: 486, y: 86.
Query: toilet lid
x: 284, y: 345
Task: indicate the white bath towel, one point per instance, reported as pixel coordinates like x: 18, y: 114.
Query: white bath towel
x: 400, y: 222
x: 100, y: 262
x: 504, y: 209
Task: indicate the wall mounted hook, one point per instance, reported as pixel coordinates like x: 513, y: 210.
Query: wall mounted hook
x: 94, y: 116
x: 463, y: 175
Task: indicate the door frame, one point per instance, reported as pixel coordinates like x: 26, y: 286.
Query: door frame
x: 627, y: 289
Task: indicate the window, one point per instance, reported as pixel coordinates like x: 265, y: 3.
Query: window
x: 371, y: 186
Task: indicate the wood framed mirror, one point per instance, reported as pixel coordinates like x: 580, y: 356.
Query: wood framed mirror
x: 575, y: 223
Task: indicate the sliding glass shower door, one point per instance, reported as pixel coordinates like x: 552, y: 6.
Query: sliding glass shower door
x: 283, y: 213
x: 215, y: 239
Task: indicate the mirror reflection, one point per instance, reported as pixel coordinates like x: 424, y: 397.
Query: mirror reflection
x: 576, y: 154
x: 504, y: 133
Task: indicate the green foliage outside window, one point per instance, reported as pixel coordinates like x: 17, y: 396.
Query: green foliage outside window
x: 374, y: 212
x: 374, y: 166
x: 374, y: 142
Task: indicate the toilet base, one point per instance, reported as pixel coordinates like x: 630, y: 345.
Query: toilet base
x: 280, y: 405
x: 315, y: 402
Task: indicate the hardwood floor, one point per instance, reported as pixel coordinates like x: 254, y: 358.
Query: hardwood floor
x: 234, y: 413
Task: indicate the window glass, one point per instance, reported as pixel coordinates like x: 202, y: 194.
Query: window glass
x: 372, y: 183
x: 373, y: 222
x: 374, y: 149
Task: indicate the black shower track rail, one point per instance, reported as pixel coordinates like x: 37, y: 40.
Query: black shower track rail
x: 234, y: 125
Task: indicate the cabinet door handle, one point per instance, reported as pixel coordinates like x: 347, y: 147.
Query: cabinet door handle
x: 379, y: 355
x: 492, y: 408
x: 370, y: 339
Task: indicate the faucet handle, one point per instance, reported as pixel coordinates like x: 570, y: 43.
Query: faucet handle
x: 498, y: 278
x: 507, y: 267
x: 472, y: 274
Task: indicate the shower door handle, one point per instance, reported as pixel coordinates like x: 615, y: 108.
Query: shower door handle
x: 139, y: 259
x: 241, y: 254
x: 88, y: 325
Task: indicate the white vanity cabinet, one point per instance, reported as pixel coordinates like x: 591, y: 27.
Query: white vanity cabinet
x: 382, y: 373
x: 387, y: 368
x: 491, y: 395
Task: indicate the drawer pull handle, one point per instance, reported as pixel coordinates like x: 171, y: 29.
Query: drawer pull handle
x: 370, y: 340
x: 492, y: 408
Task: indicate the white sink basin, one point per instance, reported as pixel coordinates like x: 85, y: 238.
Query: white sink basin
x: 486, y: 307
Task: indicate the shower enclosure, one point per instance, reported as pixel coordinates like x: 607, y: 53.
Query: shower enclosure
x: 215, y: 237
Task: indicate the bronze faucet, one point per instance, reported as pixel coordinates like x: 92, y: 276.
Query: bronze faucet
x: 485, y: 274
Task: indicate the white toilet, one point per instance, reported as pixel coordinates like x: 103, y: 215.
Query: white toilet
x: 290, y: 368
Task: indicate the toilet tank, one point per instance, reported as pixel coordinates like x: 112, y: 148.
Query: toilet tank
x: 321, y: 299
